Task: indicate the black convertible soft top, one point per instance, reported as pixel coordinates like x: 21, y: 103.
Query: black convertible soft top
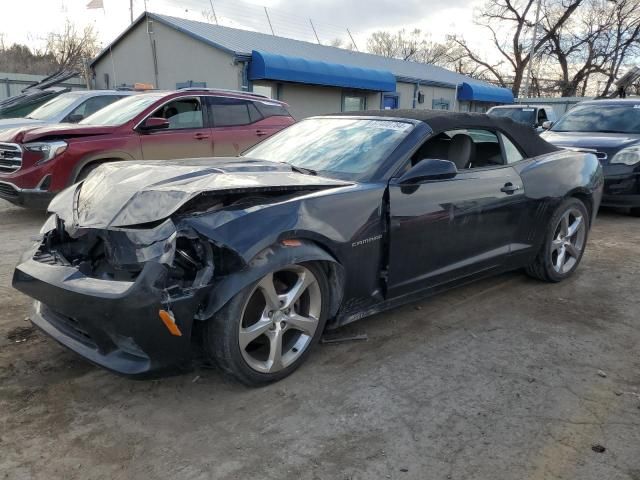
x: 439, y: 121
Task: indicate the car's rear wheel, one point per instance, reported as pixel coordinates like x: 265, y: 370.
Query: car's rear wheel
x: 267, y: 330
x: 564, y: 244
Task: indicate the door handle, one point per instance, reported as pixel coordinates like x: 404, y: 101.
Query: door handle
x: 200, y: 136
x: 261, y: 133
x: 509, y: 188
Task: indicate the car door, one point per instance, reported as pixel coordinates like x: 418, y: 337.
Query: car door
x: 446, y: 230
x: 188, y: 135
x: 235, y: 125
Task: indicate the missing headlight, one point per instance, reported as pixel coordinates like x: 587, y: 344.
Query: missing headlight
x: 192, y: 265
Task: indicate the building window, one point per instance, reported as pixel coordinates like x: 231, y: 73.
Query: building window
x: 440, y: 104
x: 390, y: 101
x: 354, y: 102
x: 266, y: 90
x: 190, y: 84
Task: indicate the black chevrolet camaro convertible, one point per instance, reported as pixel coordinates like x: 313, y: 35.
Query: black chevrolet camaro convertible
x: 331, y: 220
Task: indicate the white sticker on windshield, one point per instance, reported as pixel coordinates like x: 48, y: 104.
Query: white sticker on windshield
x: 636, y: 106
x: 388, y: 125
x: 528, y: 109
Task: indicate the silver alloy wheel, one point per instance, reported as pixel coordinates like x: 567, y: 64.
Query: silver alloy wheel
x: 568, y: 241
x: 280, y: 318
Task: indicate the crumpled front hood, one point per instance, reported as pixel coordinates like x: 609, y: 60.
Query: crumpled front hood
x: 66, y: 130
x: 123, y: 194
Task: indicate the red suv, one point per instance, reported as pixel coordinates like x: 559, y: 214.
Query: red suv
x: 37, y: 163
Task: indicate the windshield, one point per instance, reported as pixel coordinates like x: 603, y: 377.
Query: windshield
x: 601, y: 118
x: 121, y: 111
x: 342, y: 147
x: 53, y: 107
x: 520, y: 115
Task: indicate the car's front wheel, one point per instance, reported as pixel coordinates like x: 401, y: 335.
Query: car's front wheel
x: 267, y: 330
x: 564, y: 244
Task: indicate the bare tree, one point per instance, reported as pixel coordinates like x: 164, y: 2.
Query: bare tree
x: 579, y: 47
x: 413, y: 46
x: 509, y: 23
x: 623, y: 39
x: 72, y: 49
x: 595, y: 43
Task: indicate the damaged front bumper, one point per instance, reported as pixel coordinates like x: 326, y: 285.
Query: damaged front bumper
x: 114, y: 324
x: 124, y: 299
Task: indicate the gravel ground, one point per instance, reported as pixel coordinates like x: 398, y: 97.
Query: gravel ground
x: 505, y: 379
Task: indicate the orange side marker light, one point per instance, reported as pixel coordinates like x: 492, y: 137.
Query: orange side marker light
x: 291, y: 242
x: 170, y: 322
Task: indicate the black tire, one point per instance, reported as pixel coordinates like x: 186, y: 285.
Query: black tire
x: 542, y: 267
x: 221, y: 334
x: 634, y: 212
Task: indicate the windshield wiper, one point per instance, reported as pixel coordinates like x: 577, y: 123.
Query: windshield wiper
x: 306, y: 171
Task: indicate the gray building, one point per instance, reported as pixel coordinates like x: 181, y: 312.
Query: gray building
x: 313, y: 79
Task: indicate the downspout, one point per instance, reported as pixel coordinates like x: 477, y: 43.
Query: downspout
x: 455, y: 98
x: 416, y: 87
x: 154, y: 52
x: 246, y: 85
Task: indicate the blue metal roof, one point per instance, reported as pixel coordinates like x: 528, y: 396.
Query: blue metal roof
x: 484, y: 93
x: 242, y: 42
x: 270, y: 66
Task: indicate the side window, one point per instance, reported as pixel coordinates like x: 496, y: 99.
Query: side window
x: 254, y: 114
x: 467, y: 148
x: 90, y: 106
x: 511, y: 152
x: 542, y: 116
x: 271, y: 109
x: 182, y: 113
x: 232, y: 112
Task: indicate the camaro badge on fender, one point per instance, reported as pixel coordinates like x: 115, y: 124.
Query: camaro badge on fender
x: 366, y: 240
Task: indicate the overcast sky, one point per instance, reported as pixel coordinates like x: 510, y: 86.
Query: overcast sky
x: 28, y: 21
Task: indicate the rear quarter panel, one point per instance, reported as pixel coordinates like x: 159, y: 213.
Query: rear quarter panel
x: 549, y: 179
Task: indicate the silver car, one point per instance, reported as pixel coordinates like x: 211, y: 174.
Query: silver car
x: 70, y: 107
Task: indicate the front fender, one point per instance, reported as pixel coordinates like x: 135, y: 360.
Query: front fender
x: 272, y: 258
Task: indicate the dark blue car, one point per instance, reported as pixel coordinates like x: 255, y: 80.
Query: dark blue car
x: 612, y: 129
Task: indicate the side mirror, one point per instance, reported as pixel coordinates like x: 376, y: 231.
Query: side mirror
x: 75, y: 118
x: 547, y: 125
x: 429, y: 169
x: 154, y: 123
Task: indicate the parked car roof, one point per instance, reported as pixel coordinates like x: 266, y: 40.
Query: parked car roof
x: 612, y: 101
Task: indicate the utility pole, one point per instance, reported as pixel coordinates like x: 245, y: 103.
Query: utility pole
x: 213, y: 10
x: 131, y: 9
x: 269, y: 20
x: 533, y: 47
x: 352, y: 40
x: 314, y: 31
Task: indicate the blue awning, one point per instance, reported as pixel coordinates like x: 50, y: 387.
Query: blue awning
x: 270, y: 66
x: 484, y: 93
